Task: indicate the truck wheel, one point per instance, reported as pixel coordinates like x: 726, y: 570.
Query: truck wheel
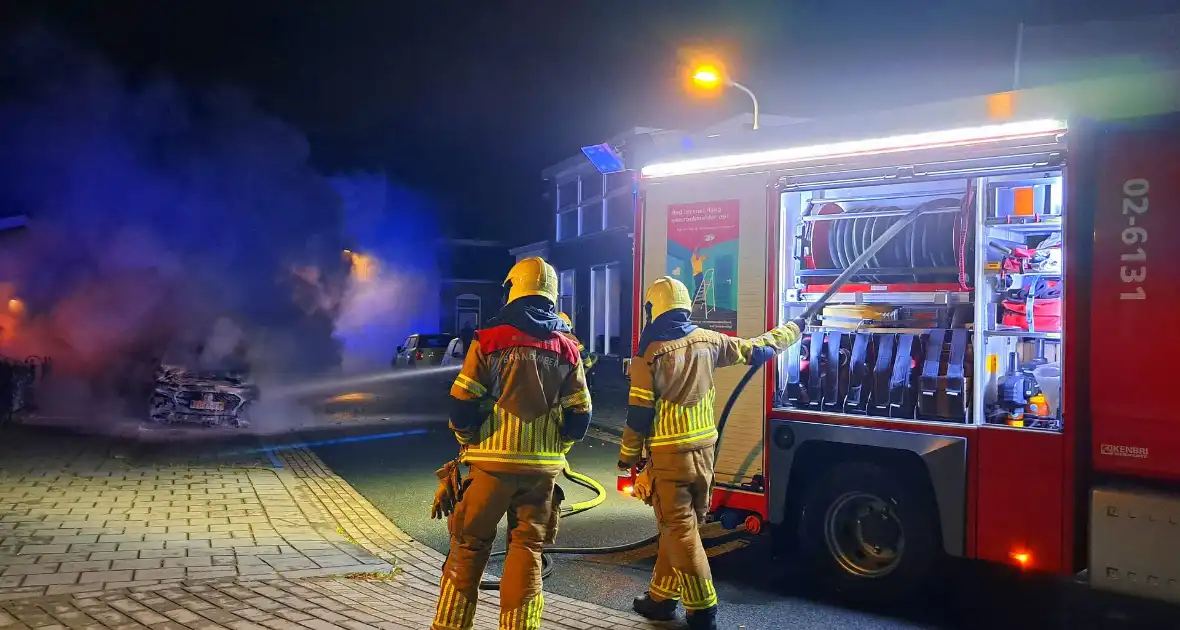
x: 867, y: 534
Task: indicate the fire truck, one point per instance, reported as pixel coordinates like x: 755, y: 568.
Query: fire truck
x: 992, y: 385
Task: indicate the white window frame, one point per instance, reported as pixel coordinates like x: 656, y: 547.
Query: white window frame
x: 478, y: 309
x: 606, y: 268
x: 572, y: 274
x: 583, y: 204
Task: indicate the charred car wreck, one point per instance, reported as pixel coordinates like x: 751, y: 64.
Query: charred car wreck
x: 209, y: 398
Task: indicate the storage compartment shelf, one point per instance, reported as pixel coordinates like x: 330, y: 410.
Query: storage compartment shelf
x: 897, y: 271
x: 885, y: 297
x: 871, y: 215
x: 1044, y: 226
x: 1025, y: 334
x: 871, y: 329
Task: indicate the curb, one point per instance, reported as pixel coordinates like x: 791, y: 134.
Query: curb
x: 421, y: 566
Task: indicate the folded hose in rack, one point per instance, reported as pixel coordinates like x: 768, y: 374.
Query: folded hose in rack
x: 600, y: 492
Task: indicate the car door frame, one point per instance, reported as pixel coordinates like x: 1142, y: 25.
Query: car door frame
x: 403, y: 357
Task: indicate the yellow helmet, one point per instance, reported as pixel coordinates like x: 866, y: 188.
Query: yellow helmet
x: 531, y: 276
x: 666, y: 294
x: 566, y: 318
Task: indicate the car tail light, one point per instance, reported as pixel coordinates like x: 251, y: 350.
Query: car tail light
x: 419, y: 356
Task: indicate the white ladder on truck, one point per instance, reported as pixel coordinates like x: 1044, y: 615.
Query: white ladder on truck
x: 702, y: 295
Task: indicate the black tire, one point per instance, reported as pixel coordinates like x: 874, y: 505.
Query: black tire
x: 909, y: 509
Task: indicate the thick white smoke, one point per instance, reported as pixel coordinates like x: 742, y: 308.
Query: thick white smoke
x: 162, y: 217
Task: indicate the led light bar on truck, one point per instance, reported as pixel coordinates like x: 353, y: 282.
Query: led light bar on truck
x: 907, y: 142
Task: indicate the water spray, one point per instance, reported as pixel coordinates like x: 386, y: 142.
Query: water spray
x: 330, y: 384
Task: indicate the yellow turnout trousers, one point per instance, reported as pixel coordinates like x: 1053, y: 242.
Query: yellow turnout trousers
x: 682, y: 485
x: 528, y: 500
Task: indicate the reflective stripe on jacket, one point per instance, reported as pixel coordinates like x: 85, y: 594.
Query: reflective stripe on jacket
x: 521, y: 402
x: 673, y: 396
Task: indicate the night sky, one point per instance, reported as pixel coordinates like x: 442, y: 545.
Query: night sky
x: 468, y: 101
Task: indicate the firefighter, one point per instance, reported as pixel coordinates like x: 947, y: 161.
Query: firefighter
x: 588, y: 358
x: 671, y: 402
x: 520, y: 403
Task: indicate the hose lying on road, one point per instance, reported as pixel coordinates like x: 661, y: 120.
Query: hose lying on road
x: 600, y: 493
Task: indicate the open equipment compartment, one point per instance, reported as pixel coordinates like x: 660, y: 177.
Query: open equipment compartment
x: 972, y: 286
x: 1021, y: 298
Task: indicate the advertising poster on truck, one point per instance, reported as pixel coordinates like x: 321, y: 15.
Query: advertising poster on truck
x: 703, y: 254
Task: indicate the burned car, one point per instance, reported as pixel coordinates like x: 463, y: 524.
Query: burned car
x: 210, y: 398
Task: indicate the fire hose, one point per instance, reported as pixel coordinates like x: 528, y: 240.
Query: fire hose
x: 600, y: 493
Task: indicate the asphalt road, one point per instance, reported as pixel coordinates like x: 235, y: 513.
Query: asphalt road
x: 756, y: 589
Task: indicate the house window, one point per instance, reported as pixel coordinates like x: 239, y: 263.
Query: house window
x: 605, y: 304
x: 567, y: 194
x: 591, y: 218
x: 620, y: 211
x: 567, y: 225
x: 619, y: 181
x: 467, y: 311
x: 591, y: 186
x: 565, y: 299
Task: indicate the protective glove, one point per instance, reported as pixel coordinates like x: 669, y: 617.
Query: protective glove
x: 760, y: 355
x: 622, y: 465
x: 643, y: 486
x: 801, y: 323
x: 449, y: 488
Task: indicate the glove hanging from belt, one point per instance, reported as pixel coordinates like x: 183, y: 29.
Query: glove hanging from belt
x: 450, y: 484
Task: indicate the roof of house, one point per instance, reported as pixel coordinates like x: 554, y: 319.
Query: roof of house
x: 527, y: 247
x: 744, y: 121
x: 578, y: 161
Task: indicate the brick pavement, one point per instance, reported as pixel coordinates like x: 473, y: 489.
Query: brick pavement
x: 94, y: 537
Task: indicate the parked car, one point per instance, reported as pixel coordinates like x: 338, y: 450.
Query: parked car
x: 422, y: 351
x: 455, y: 352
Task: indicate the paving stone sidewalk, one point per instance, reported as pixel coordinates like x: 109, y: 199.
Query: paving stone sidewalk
x: 96, y: 536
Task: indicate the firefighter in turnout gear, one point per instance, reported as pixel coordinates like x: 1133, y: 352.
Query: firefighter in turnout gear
x: 588, y: 358
x: 671, y: 415
x: 520, y: 403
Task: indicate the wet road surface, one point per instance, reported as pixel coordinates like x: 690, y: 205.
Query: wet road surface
x: 756, y: 589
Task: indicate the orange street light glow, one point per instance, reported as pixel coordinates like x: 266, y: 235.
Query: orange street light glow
x: 706, y: 76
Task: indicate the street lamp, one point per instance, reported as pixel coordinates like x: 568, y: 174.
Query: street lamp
x: 711, y: 77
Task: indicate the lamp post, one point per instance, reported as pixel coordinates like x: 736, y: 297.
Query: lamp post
x: 711, y: 77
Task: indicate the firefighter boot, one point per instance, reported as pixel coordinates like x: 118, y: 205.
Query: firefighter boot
x: 703, y: 619
x: 664, y: 610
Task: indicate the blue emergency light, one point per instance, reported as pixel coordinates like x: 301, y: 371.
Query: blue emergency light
x: 605, y: 158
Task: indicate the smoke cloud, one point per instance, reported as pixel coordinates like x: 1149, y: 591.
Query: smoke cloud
x: 393, y: 289
x: 162, y: 217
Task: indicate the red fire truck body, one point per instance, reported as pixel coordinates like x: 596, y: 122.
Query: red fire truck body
x: 993, y: 385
